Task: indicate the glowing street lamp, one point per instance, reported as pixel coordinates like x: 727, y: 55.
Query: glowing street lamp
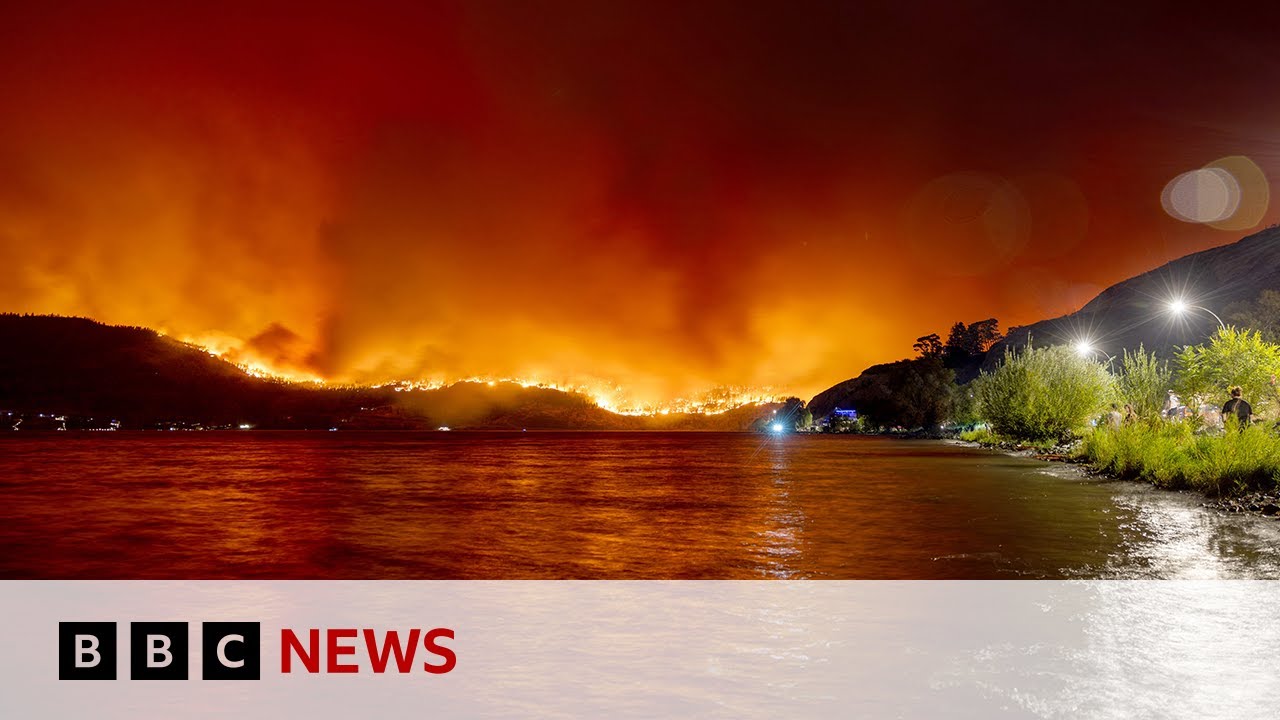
x: 1180, y: 307
x: 1085, y: 349
x: 776, y: 427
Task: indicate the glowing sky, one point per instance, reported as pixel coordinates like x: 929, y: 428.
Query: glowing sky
x: 664, y: 197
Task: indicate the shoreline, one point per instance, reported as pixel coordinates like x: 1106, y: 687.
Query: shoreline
x: 1264, y: 504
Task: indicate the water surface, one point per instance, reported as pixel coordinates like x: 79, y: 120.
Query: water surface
x: 588, y: 505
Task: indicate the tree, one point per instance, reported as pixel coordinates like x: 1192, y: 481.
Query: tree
x: 1144, y: 381
x: 793, y: 415
x: 1043, y: 394
x: 1263, y: 315
x: 1232, y: 357
x: 956, y: 344
x: 929, y: 346
x: 964, y: 404
x: 982, y: 335
x: 913, y: 394
x: 925, y: 394
x: 964, y: 342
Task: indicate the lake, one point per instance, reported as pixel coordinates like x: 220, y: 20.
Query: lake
x: 589, y: 505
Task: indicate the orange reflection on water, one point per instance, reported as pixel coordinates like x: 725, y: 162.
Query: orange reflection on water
x: 585, y: 505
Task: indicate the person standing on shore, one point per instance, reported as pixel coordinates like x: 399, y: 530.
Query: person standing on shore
x: 1238, y: 407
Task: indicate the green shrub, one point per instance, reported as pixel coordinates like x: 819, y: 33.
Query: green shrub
x: 964, y: 405
x: 1171, y: 455
x: 1232, y: 357
x: 1143, y: 382
x: 1043, y: 394
x: 980, y: 435
x: 985, y: 436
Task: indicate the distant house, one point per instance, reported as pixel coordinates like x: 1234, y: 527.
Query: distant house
x: 840, y: 420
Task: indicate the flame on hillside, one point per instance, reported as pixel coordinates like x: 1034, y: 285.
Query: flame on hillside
x: 234, y: 351
x: 606, y: 395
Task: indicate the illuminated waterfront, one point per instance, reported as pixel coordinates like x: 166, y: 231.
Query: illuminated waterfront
x: 588, y: 505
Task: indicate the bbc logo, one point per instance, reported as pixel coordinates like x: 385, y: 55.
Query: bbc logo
x: 159, y: 650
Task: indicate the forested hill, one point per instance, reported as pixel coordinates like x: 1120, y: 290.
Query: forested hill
x: 92, y: 374
x: 82, y: 368
x: 916, y: 392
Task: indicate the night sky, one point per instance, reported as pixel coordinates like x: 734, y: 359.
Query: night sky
x: 665, y: 196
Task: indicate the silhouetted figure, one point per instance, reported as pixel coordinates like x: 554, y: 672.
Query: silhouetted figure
x: 1237, y: 406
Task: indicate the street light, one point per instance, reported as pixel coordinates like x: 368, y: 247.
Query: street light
x: 1180, y: 307
x: 1084, y: 348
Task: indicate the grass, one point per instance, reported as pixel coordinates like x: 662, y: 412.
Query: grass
x: 987, y: 436
x: 982, y: 436
x: 1174, y: 456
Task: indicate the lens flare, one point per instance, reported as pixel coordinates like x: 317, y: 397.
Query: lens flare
x: 1255, y: 192
x: 1208, y: 195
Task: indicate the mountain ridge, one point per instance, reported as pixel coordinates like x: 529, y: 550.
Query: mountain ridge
x: 1135, y: 311
x: 96, y: 376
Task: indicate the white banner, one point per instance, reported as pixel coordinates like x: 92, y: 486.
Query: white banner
x: 1080, y: 649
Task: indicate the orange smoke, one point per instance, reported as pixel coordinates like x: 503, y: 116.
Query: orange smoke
x: 613, y: 199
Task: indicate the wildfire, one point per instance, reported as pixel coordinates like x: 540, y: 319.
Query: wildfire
x: 614, y: 398
x: 233, y: 351
x: 607, y: 396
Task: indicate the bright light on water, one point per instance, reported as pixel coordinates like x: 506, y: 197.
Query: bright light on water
x: 776, y: 427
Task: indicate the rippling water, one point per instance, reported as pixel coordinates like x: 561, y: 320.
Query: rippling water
x: 588, y: 505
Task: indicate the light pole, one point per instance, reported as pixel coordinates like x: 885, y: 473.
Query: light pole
x: 1084, y: 348
x: 1180, y: 307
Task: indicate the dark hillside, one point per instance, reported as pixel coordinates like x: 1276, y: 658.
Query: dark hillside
x: 1136, y: 311
x: 75, y: 366
x: 93, y: 374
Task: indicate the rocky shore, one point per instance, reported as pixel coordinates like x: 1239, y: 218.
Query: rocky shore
x: 1264, y: 503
